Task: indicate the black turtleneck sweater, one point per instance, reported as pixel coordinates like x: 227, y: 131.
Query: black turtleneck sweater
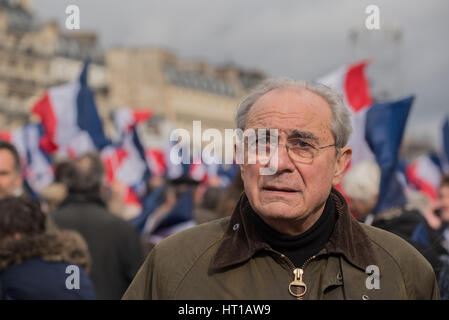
x: 301, y: 247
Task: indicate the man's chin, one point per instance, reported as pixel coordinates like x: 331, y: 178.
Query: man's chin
x: 279, y: 210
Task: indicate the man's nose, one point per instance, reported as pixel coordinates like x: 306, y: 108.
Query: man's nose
x: 285, y: 163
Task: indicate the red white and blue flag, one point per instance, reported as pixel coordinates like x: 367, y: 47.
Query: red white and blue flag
x: 125, y: 161
x: 156, y: 161
x: 352, y: 82
x: 125, y: 119
x: 70, y: 119
x: 425, y: 173
x: 377, y: 129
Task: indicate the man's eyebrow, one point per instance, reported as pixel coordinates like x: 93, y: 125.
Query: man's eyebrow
x: 267, y: 131
x: 303, y: 134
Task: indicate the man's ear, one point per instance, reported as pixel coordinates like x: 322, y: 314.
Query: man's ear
x: 343, y: 159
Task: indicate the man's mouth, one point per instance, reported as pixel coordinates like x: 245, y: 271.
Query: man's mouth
x: 279, y: 189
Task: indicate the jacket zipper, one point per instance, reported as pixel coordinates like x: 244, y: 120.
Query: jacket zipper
x: 297, y: 280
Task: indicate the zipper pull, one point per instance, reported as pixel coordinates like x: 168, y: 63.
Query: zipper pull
x: 297, y: 282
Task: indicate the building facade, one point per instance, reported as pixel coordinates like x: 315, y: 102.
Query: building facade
x: 178, y: 91
x: 37, y: 55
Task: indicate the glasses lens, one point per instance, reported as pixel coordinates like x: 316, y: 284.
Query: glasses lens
x: 301, y: 155
x: 301, y: 150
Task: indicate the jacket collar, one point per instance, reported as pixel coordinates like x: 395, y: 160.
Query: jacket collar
x: 241, y: 242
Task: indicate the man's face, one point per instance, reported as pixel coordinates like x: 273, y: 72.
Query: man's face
x: 292, y: 199
x: 10, y: 178
x: 444, y: 199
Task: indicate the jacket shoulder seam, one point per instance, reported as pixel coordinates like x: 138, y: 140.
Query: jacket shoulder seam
x: 392, y: 258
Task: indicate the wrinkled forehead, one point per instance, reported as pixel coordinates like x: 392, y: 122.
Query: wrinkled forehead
x: 290, y: 110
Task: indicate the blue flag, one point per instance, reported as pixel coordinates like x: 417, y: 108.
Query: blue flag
x: 385, y: 125
x: 445, y: 148
x: 87, y: 115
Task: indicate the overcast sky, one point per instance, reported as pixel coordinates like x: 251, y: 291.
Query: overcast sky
x: 300, y: 39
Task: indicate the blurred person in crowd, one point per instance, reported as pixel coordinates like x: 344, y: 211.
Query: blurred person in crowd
x: 206, y: 210
x: 114, y: 195
x: 433, y: 235
x: 11, y: 180
x: 10, y: 171
x: 291, y: 235
x: 361, y: 184
x: 113, y: 243
x: 231, y: 196
x: 155, y: 182
x: 33, y: 262
x: 173, y: 209
x: 218, y: 202
x: 51, y: 196
x: 434, y: 231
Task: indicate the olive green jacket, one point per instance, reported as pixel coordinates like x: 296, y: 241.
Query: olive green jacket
x: 225, y: 259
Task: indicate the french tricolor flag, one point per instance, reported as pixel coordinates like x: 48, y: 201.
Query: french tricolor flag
x: 132, y: 167
x: 126, y: 163
x: 125, y: 119
x: 377, y: 129
x: 70, y: 119
x: 156, y: 161
x: 352, y: 82
x: 424, y: 174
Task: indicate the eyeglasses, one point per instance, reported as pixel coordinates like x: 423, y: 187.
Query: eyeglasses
x: 298, y: 149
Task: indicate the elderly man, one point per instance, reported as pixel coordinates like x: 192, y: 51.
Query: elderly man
x: 291, y: 235
x: 10, y: 176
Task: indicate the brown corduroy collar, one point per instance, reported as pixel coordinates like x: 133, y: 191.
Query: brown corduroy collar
x: 240, y: 241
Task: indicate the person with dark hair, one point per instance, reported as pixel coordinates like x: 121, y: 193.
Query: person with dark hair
x: 33, y: 262
x: 207, y: 210
x: 10, y: 175
x: 113, y: 243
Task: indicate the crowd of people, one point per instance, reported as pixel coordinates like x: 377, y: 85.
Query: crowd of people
x: 76, y: 221
x: 423, y: 222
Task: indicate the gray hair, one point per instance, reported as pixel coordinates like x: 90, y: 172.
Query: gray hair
x: 341, y: 124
